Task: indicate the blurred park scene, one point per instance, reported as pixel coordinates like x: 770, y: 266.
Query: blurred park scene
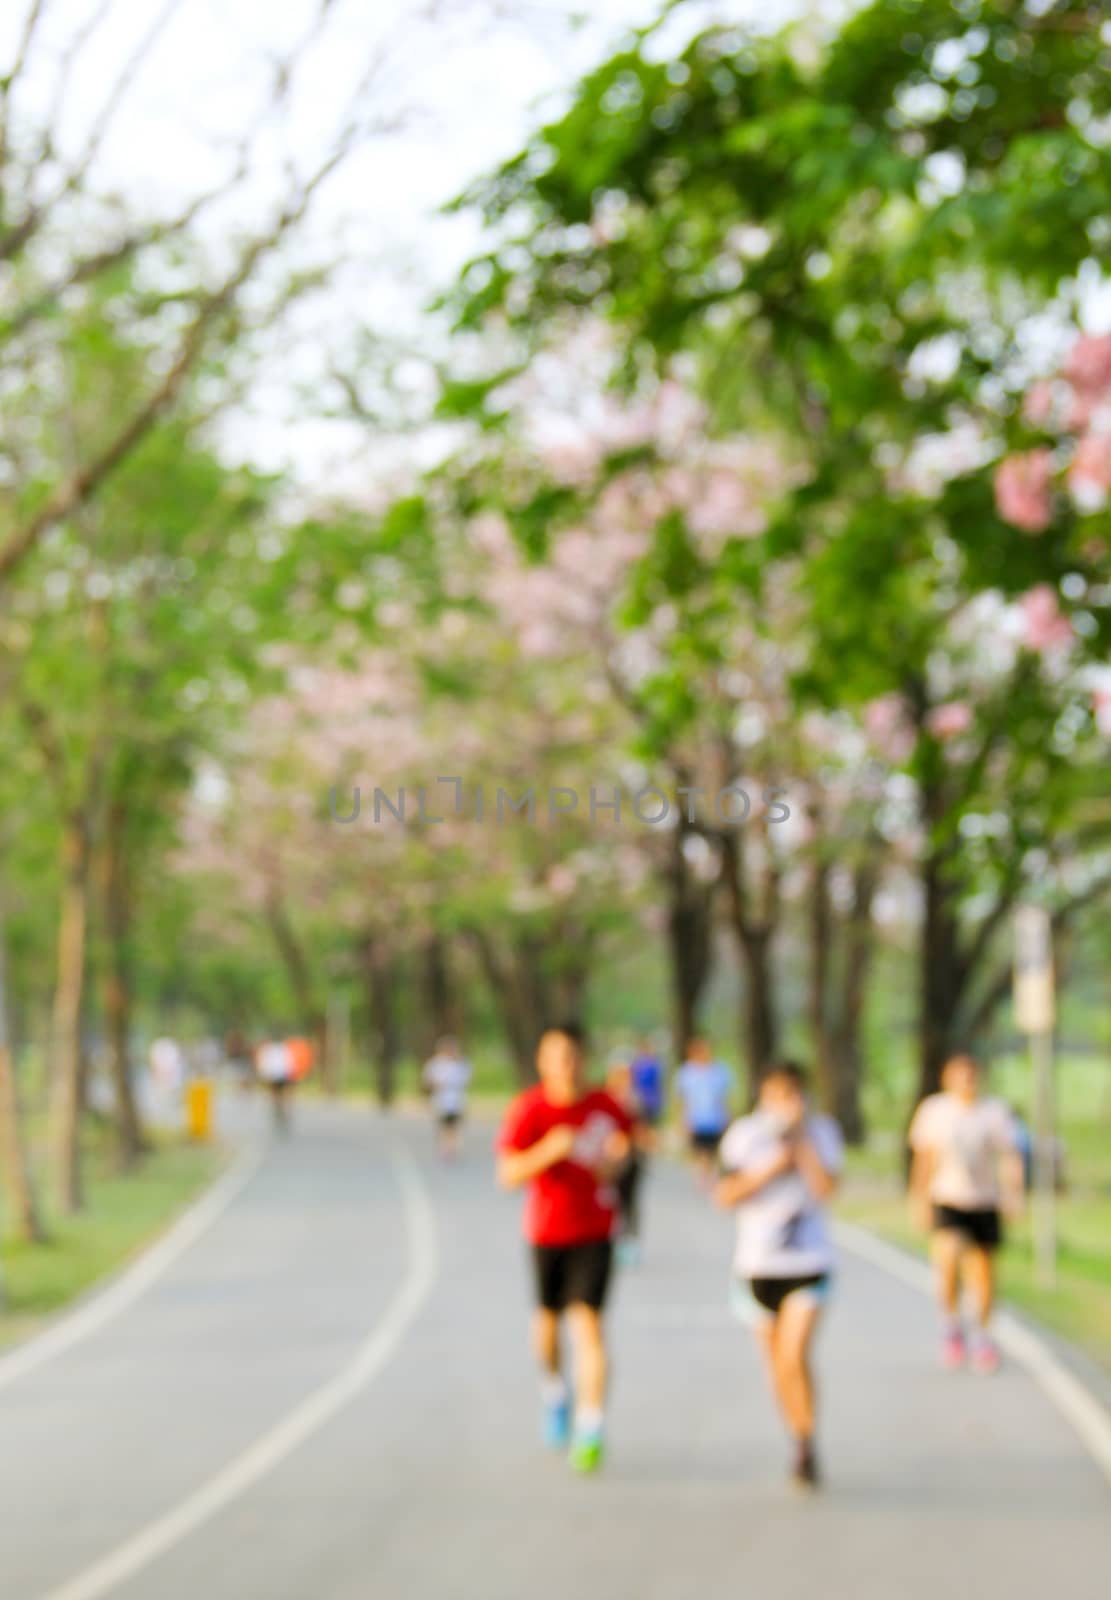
x: 508, y: 514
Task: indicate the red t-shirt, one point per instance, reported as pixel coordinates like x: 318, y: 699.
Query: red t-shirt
x: 569, y: 1203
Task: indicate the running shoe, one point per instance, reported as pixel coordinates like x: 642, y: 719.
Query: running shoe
x: 587, y: 1452
x: 556, y: 1425
x: 985, y: 1357
x: 952, y: 1350
x: 804, y: 1469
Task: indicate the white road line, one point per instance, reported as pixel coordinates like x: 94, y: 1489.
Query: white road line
x: 318, y: 1408
x: 1083, y: 1410
x: 106, y: 1304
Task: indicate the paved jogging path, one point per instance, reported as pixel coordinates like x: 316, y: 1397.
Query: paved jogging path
x: 379, y: 1301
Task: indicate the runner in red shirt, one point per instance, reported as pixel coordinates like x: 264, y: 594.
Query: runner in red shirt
x: 568, y: 1143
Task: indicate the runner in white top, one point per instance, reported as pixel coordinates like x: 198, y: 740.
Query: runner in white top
x: 966, y: 1170
x: 275, y: 1069
x: 446, y: 1078
x: 781, y: 1168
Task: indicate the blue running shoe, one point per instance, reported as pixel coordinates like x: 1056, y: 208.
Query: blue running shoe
x: 556, y: 1427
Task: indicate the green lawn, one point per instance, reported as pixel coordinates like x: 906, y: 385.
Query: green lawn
x: 121, y: 1214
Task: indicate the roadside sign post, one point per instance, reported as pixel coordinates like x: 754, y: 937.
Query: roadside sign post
x: 1035, y: 1015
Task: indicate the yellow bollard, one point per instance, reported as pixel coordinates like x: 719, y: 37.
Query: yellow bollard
x: 198, y: 1109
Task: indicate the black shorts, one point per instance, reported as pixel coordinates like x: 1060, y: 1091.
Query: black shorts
x: 450, y: 1119
x: 706, y: 1144
x: 572, y: 1274
x: 982, y: 1228
x: 770, y: 1293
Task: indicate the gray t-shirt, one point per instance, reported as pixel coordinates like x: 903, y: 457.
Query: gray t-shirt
x: 783, y: 1231
x: 967, y: 1141
x: 447, y: 1079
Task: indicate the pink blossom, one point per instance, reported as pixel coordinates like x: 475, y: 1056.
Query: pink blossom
x: 725, y: 507
x: 1091, y: 466
x: 490, y: 533
x: 677, y: 415
x: 1023, y: 490
x: 887, y: 726
x: 1089, y: 365
x: 950, y: 720
x: 1040, y: 403
x: 572, y: 461
x: 562, y: 881
x: 1101, y: 707
x: 1044, y: 625
x: 1078, y: 415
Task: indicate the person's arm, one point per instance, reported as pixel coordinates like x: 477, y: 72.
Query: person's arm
x: 645, y: 1138
x: 517, y: 1167
x: 736, y: 1187
x: 922, y: 1164
x: 1012, y: 1171
x: 615, y: 1156
x: 1012, y: 1181
x: 820, y: 1179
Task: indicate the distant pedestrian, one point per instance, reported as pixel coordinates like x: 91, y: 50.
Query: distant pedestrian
x: 647, y: 1071
x: 168, y: 1066
x: 237, y: 1053
x: 630, y: 1181
x: 1024, y: 1144
x: 275, y: 1070
x: 566, y: 1144
x: 704, y: 1087
x: 966, y: 1172
x: 781, y: 1167
x: 446, y: 1079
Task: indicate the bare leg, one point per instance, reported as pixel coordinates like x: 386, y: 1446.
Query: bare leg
x: 765, y: 1338
x: 545, y: 1342
x: 979, y: 1277
x: 591, y: 1363
x: 945, y: 1251
x: 794, y: 1332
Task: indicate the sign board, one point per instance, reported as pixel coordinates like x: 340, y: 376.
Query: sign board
x: 1033, y: 989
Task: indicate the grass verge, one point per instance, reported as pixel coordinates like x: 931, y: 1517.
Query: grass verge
x: 122, y: 1213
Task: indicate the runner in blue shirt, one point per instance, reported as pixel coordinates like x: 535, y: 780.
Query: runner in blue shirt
x: 648, y: 1082
x: 705, y: 1089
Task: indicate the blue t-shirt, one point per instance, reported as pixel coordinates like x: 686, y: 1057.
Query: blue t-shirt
x: 648, y: 1084
x: 704, y: 1088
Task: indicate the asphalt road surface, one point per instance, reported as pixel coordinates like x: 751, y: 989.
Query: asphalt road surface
x: 328, y: 1396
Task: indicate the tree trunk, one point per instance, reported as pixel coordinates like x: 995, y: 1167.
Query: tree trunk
x: 313, y: 1016
x: 438, y: 1017
x: 570, y: 986
x: 760, y: 1033
x: 24, y: 1222
x: 847, y: 1052
x: 940, y: 977
x: 65, y: 1110
x: 818, y: 987
x: 501, y: 977
x: 754, y: 937
x: 532, y: 987
x: 380, y: 977
x: 690, y: 942
x: 130, y: 1140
